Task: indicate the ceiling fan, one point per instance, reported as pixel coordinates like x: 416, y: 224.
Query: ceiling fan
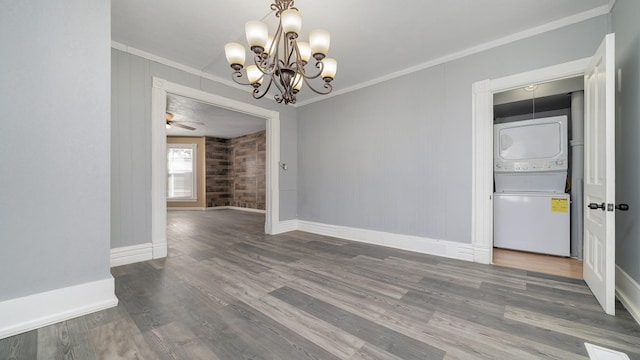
x: 178, y: 123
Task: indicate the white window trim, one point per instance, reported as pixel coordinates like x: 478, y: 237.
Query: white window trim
x: 194, y: 165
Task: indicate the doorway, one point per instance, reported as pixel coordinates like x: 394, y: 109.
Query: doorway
x: 160, y: 90
x: 599, y: 179
x: 538, y: 129
x: 231, y: 152
x: 482, y: 145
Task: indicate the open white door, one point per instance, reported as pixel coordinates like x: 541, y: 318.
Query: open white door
x: 599, y: 175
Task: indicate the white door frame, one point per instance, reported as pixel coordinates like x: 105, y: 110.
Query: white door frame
x: 482, y: 146
x: 159, y: 148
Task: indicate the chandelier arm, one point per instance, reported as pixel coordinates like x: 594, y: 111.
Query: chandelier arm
x: 294, y: 50
x: 256, y: 91
x: 298, y: 65
x: 327, y: 86
x: 265, y: 61
x: 291, y: 49
x: 268, y: 64
x: 237, y: 75
x: 319, y: 66
x: 263, y: 65
x: 278, y: 86
x: 277, y: 37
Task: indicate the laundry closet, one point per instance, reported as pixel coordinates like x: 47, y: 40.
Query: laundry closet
x: 538, y: 168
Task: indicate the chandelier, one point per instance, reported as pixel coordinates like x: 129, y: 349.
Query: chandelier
x: 280, y: 59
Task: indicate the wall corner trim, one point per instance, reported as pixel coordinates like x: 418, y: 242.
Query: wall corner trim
x: 131, y: 254
x: 573, y: 19
x: 628, y: 292
x: 482, y: 254
x: 50, y: 307
x: 444, y: 248
x: 285, y: 226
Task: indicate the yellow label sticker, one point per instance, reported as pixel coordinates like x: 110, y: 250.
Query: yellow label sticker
x: 560, y: 205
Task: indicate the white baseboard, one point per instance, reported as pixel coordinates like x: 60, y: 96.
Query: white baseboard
x: 243, y: 209
x: 284, y: 226
x: 445, y: 248
x: 131, y: 254
x: 482, y: 254
x: 159, y: 250
x: 177, y: 208
x: 216, y: 208
x: 628, y: 292
x: 43, y: 309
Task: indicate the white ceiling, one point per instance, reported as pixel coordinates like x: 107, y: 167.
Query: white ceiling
x: 370, y: 39
x: 209, y: 120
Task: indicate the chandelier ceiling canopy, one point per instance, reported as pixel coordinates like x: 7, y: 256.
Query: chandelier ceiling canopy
x: 280, y: 59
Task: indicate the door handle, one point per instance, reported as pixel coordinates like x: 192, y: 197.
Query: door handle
x: 622, y: 207
x: 594, y: 206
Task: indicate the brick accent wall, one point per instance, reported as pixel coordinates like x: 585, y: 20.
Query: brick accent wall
x: 249, y: 179
x: 219, y: 170
x: 236, y: 171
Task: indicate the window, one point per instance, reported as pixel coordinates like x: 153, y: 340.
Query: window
x: 181, y: 172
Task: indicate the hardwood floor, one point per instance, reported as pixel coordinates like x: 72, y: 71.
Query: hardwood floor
x: 227, y: 291
x: 547, y: 264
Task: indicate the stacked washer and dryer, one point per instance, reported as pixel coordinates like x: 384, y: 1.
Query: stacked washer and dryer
x: 531, y: 207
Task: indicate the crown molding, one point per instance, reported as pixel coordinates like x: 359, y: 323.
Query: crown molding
x: 602, y: 10
x: 557, y: 24
x: 174, y: 64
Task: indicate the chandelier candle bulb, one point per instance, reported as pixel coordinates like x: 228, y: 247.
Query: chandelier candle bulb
x: 291, y: 21
x: 329, y: 69
x: 254, y: 75
x: 235, y: 55
x: 297, y: 83
x: 257, y: 35
x: 305, y: 51
x: 319, y: 40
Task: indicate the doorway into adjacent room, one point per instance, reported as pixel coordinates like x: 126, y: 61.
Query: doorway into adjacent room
x: 226, y: 152
x: 263, y: 139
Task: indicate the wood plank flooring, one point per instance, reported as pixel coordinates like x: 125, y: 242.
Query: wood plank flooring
x: 548, y: 264
x: 228, y: 291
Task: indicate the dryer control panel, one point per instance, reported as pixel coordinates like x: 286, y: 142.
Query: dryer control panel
x: 533, y: 165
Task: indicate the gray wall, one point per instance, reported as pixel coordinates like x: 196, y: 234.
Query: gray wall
x: 396, y: 156
x: 54, y: 212
x: 131, y: 143
x: 625, y: 25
